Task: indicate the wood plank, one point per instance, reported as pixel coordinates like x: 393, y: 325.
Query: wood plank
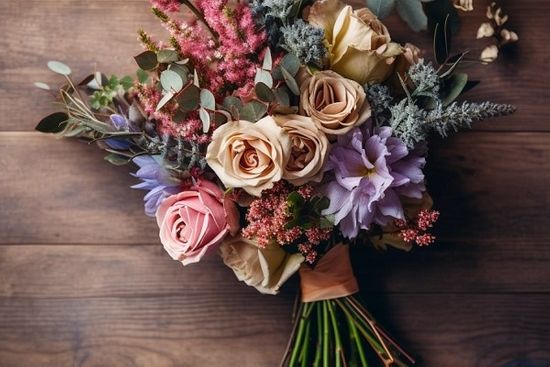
x: 100, y: 34
x: 74, y: 196
x: 131, y: 305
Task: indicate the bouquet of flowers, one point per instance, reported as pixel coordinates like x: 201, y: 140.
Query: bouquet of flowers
x: 278, y: 133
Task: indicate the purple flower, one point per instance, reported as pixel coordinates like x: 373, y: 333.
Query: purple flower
x: 156, y: 180
x: 371, y: 169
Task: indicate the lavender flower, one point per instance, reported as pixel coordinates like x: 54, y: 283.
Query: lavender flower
x: 156, y: 180
x: 371, y: 169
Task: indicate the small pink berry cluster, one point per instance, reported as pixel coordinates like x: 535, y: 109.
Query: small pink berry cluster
x: 416, y: 230
x: 268, y: 216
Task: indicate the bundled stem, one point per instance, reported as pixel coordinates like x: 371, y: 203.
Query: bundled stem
x: 318, y: 338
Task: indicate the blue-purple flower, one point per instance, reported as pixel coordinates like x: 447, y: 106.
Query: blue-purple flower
x: 371, y: 169
x: 156, y: 180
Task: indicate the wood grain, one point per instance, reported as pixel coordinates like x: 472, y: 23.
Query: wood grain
x: 92, y: 306
x: 85, y: 282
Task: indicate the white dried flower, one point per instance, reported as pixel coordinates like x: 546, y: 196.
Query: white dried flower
x: 500, y: 18
x: 508, y: 36
x: 489, y: 54
x: 464, y: 5
x: 485, y: 30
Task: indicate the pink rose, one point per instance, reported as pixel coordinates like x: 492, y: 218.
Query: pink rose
x: 194, y: 222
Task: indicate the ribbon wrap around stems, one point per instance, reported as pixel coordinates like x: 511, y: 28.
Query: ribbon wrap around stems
x: 331, y: 278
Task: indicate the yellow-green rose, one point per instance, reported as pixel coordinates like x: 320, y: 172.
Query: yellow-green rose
x: 360, y: 46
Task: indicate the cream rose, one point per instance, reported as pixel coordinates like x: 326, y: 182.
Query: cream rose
x: 249, y: 155
x: 360, y: 45
x: 334, y: 103
x: 309, y: 149
x: 265, y: 269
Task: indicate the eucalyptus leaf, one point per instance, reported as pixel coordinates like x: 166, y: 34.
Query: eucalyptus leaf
x: 189, y: 98
x: 59, y: 68
x: 167, y: 56
x: 208, y: 100
x: 290, y: 82
x: 412, y: 12
x: 232, y: 101
x: 264, y: 93
x: 182, y: 70
x: 282, y: 97
x: 41, y: 85
x: 116, y: 159
x: 381, y: 8
x: 263, y: 76
x: 291, y: 63
x: 196, y: 78
x: 205, y: 119
x: 253, y: 111
x: 164, y: 100
x: 453, y: 87
x: 268, y: 60
x: 53, y: 123
x: 147, y: 60
x: 171, y: 81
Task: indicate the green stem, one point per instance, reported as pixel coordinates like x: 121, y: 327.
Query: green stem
x: 339, y: 350
x: 326, y: 336
x: 304, y: 357
x: 318, y: 346
x: 304, y: 319
x: 292, y: 336
x: 356, y: 338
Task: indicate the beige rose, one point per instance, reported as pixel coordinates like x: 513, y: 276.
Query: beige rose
x: 265, y: 269
x: 249, y: 155
x: 334, y: 103
x: 309, y: 149
x: 360, y: 46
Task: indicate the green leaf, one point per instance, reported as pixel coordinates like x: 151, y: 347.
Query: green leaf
x: 42, y: 85
x: 253, y: 111
x: 291, y: 63
x: 127, y: 82
x: 205, y: 119
x: 167, y: 56
x: 142, y: 76
x: 264, y: 93
x: 453, y: 87
x: 53, y: 123
x: 171, y: 81
x: 282, y: 97
x: 59, y: 68
x: 164, y: 100
x: 147, y: 60
x: 268, y: 61
x: 232, y: 101
x: 412, y: 12
x: 116, y: 159
x: 208, y: 100
x: 381, y: 8
x: 263, y: 76
x: 290, y: 82
x: 182, y: 70
x: 189, y: 98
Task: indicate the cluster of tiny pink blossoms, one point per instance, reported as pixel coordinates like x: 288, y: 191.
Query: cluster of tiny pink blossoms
x: 268, y: 217
x: 416, y: 230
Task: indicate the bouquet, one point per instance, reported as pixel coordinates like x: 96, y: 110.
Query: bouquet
x: 278, y: 134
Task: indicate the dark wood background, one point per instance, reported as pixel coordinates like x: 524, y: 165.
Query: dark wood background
x: 85, y: 282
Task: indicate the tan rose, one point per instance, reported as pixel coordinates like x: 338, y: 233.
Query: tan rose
x: 334, y: 103
x: 309, y: 149
x: 360, y: 46
x: 249, y: 155
x: 265, y: 269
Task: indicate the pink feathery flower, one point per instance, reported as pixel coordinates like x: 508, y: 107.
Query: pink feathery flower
x: 170, y: 6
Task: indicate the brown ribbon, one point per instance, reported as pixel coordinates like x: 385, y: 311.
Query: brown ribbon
x: 331, y: 278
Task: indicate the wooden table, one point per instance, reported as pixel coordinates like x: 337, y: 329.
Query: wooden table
x: 85, y: 282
